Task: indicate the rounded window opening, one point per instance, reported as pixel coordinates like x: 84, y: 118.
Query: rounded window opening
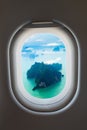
x: 43, y: 60
x: 44, y: 67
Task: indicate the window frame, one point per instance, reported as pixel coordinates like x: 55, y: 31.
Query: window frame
x: 56, y: 103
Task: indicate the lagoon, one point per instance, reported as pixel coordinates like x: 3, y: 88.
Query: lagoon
x: 49, y: 58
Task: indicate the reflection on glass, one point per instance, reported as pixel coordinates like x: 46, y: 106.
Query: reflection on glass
x: 43, y: 57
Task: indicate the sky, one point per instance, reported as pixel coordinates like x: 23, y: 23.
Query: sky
x: 42, y: 44
x: 42, y: 39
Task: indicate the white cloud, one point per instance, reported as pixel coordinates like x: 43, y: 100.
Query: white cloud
x: 53, y: 61
x: 52, y: 44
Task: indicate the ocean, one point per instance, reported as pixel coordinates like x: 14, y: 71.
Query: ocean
x: 48, y: 58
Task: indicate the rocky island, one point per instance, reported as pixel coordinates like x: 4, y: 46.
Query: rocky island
x: 45, y: 75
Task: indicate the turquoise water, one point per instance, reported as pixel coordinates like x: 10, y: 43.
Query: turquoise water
x: 50, y: 91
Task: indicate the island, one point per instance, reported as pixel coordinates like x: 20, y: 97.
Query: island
x: 45, y: 75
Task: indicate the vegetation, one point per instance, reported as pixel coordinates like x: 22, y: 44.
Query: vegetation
x: 45, y: 74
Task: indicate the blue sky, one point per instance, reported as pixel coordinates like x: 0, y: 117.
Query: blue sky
x: 42, y: 39
x: 42, y: 44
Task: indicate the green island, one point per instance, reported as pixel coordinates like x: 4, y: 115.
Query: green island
x: 45, y: 75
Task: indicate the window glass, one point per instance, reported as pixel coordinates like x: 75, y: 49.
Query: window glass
x: 43, y: 60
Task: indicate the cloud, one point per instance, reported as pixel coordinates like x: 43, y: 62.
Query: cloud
x: 51, y: 44
x: 53, y: 61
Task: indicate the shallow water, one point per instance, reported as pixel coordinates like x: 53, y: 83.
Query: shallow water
x: 50, y: 91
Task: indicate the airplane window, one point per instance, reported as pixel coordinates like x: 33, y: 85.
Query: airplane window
x: 43, y: 60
